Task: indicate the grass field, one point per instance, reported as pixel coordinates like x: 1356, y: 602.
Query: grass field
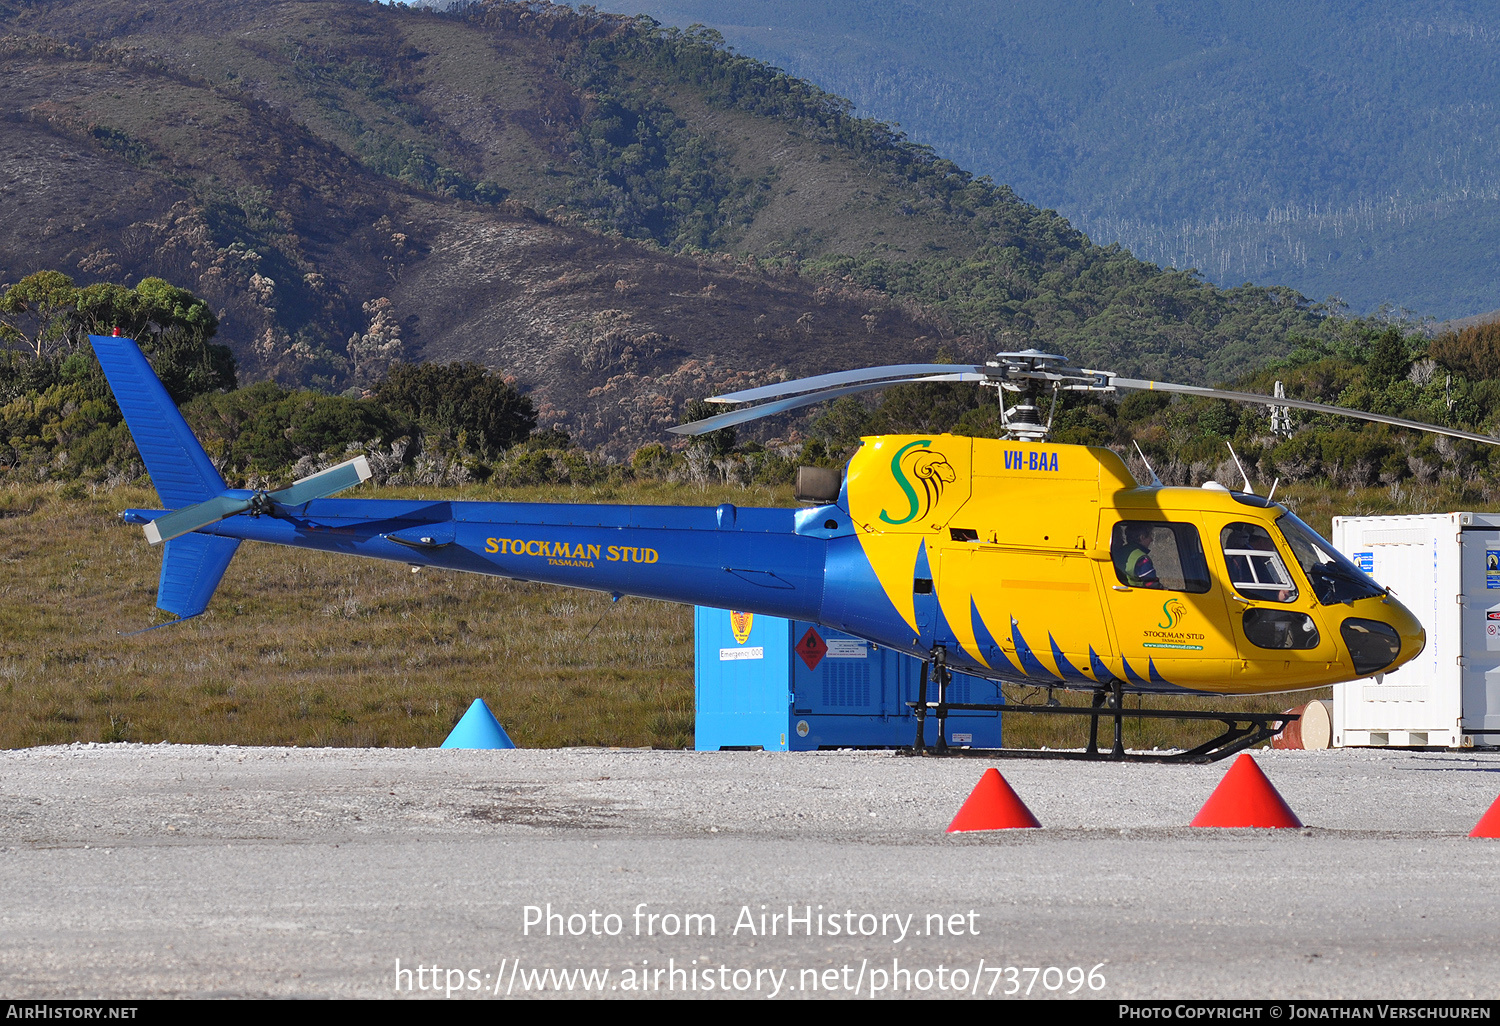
x: 303, y: 648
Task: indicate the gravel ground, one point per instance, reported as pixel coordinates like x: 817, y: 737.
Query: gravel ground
x: 151, y: 871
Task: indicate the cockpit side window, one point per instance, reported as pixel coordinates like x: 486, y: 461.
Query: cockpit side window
x: 1156, y: 554
x: 1255, y: 567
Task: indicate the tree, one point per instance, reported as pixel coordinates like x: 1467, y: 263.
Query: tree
x: 1473, y: 352
x: 843, y: 423
x: 266, y: 428
x: 460, y: 400
x: 52, y: 318
x: 1389, y: 358
x: 173, y: 326
x: 35, y: 311
x: 718, y: 443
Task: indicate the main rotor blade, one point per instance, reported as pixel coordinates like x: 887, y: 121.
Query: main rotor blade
x: 1135, y: 384
x: 192, y: 518
x: 724, y: 420
x: 324, y: 483
x: 818, y: 381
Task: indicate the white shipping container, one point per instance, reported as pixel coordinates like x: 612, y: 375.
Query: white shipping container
x: 1445, y: 568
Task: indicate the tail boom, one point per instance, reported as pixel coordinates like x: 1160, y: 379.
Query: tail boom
x: 677, y: 554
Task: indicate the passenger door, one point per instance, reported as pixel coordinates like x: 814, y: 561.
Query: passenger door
x: 1178, y: 630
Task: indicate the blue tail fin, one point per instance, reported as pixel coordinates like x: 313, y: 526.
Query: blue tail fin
x: 193, y: 564
x: 191, y: 568
x: 179, y: 467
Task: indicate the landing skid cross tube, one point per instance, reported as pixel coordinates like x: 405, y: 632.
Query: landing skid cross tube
x: 1241, y: 729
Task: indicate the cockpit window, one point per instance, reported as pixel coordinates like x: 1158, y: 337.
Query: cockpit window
x: 1255, y: 567
x: 1333, y: 578
x: 1154, y: 554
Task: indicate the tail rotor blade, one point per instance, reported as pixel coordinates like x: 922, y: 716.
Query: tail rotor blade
x: 211, y: 511
x: 194, y: 517
x: 324, y: 483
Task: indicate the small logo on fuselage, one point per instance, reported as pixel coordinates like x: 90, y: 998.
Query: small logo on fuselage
x: 1174, y: 611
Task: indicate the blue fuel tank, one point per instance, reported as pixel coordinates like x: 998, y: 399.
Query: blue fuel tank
x: 764, y: 682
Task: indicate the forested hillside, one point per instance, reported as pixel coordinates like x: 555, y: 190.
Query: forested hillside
x: 617, y: 216
x: 461, y: 424
x: 1336, y: 148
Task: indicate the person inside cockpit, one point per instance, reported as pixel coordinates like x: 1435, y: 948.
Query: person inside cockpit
x: 1133, y: 560
x: 1255, y: 567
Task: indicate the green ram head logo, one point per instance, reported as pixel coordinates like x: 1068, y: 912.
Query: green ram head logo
x: 930, y: 470
x: 1174, y: 611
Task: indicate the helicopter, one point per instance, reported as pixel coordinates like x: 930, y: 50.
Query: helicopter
x: 1013, y: 559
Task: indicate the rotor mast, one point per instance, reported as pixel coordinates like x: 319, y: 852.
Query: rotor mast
x: 1028, y: 372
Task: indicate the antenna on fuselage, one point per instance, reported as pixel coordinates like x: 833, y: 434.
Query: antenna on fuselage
x: 1248, y: 490
x: 1154, y: 479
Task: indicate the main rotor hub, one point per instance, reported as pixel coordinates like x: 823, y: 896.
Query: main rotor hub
x: 1027, y: 361
x: 1028, y: 372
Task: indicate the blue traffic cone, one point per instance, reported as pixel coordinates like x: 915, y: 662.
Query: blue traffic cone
x: 478, y: 729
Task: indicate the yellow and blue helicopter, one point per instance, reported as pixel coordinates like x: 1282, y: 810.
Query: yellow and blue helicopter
x: 1013, y: 559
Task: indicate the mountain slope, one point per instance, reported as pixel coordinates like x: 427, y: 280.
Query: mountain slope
x: 621, y: 217
x: 1334, y: 148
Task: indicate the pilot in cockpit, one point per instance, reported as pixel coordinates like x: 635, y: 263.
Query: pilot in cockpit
x: 1133, y: 560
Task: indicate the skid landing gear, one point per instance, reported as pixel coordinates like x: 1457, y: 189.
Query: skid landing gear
x: 1241, y: 729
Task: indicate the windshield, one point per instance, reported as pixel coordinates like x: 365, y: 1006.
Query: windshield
x: 1333, y: 578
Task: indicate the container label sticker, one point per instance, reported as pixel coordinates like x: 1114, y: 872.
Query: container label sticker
x: 1365, y: 561
x: 740, y: 624
x: 1492, y: 568
x: 812, y: 648
x: 730, y: 654
x: 847, y: 648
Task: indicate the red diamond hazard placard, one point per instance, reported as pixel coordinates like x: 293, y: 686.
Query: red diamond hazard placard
x: 812, y: 648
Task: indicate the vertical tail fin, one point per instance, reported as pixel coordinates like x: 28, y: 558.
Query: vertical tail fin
x: 193, y: 564
x: 179, y: 468
x: 191, y: 568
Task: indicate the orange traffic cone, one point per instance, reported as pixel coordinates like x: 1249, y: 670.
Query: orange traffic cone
x: 992, y: 805
x: 1489, y: 823
x: 1245, y: 798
